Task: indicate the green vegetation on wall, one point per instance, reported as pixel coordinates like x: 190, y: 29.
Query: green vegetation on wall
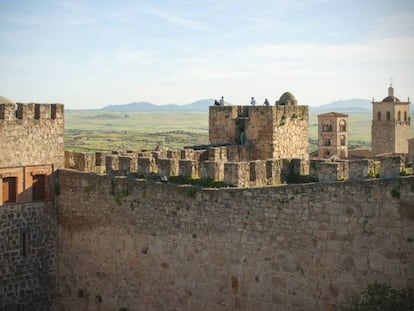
x: 381, y: 297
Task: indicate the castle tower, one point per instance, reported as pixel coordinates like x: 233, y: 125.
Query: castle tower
x: 332, y: 135
x: 390, y: 129
x: 31, y: 149
x: 31, y: 140
x: 272, y: 132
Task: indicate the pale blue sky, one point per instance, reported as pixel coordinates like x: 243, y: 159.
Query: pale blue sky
x: 88, y: 54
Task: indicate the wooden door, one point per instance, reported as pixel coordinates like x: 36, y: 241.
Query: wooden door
x: 9, y: 190
x: 39, y: 187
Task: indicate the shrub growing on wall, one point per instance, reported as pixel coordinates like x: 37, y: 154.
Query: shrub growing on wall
x: 381, y: 297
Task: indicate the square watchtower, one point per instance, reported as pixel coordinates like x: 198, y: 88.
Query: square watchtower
x: 273, y: 132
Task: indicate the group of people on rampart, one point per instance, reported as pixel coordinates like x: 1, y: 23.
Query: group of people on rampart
x: 282, y: 101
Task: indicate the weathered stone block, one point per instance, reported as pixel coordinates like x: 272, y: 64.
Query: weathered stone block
x: 211, y: 169
x: 258, y: 172
x: 237, y: 153
x: 69, y: 162
x: 125, y: 165
x: 273, y: 171
x: 233, y: 154
x: 168, y: 167
x: 314, y: 168
x: 200, y: 155
x: 189, y: 168
x: 237, y: 173
x: 390, y: 167
x: 187, y: 154
x: 100, y: 158
x: 146, y: 165
x: 84, y: 162
x: 174, y: 154
x: 217, y: 154
x: 244, y: 152
x: 111, y: 164
x: 333, y: 171
x: 358, y: 170
x: 145, y: 154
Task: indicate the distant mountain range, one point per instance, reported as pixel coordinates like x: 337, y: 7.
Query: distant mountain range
x: 199, y: 105
x: 348, y: 105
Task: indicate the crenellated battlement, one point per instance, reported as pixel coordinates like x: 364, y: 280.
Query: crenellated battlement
x: 31, y: 134
x: 31, y: 111
x: 219, y: 164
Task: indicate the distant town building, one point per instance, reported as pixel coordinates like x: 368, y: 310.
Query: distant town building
x: 332, y: 135
x: 390, y: 129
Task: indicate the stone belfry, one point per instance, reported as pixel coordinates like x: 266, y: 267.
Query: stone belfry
x: 332, y: 135
x: 390, y: 129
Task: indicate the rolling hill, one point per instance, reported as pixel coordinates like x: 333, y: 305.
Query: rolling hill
x: 199, y: 105
x: 344, y: 106
x: 348, y: 105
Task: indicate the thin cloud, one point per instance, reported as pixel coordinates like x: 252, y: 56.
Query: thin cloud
x: 135, y: 57
x: 387, y: 49
x: 46, y: 21
x: 392, y: 25
x: 171, y: 17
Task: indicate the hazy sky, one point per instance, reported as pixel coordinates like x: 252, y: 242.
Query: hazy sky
x: 88, y: 54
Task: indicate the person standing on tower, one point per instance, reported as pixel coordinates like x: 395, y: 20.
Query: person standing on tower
x: 253, y: 102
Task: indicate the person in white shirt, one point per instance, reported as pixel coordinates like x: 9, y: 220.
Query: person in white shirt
x: 222, y: 101
x: 253, y: 102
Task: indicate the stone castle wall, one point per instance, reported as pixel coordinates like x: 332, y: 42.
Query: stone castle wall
x: 135, y: 245
x: 27, y: 256
x: 31, y: 134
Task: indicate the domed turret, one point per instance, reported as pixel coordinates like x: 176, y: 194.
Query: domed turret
x: 287, y: 98
x: 4, y: 100
x: 390, y: 98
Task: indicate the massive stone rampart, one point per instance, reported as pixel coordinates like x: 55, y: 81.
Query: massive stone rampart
x: 28, y: 256
x: 127, y: 244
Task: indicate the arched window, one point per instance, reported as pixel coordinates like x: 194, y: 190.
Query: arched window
x: 342, y: 126
x: 405, y: 116
x: 327, y: 128
x: 327, y: 142
x: 399, y: 116
x: 388, y: 116
x: 379, y: 115
x: 343, y: 140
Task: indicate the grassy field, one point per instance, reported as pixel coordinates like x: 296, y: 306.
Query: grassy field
x: 103, y: 130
